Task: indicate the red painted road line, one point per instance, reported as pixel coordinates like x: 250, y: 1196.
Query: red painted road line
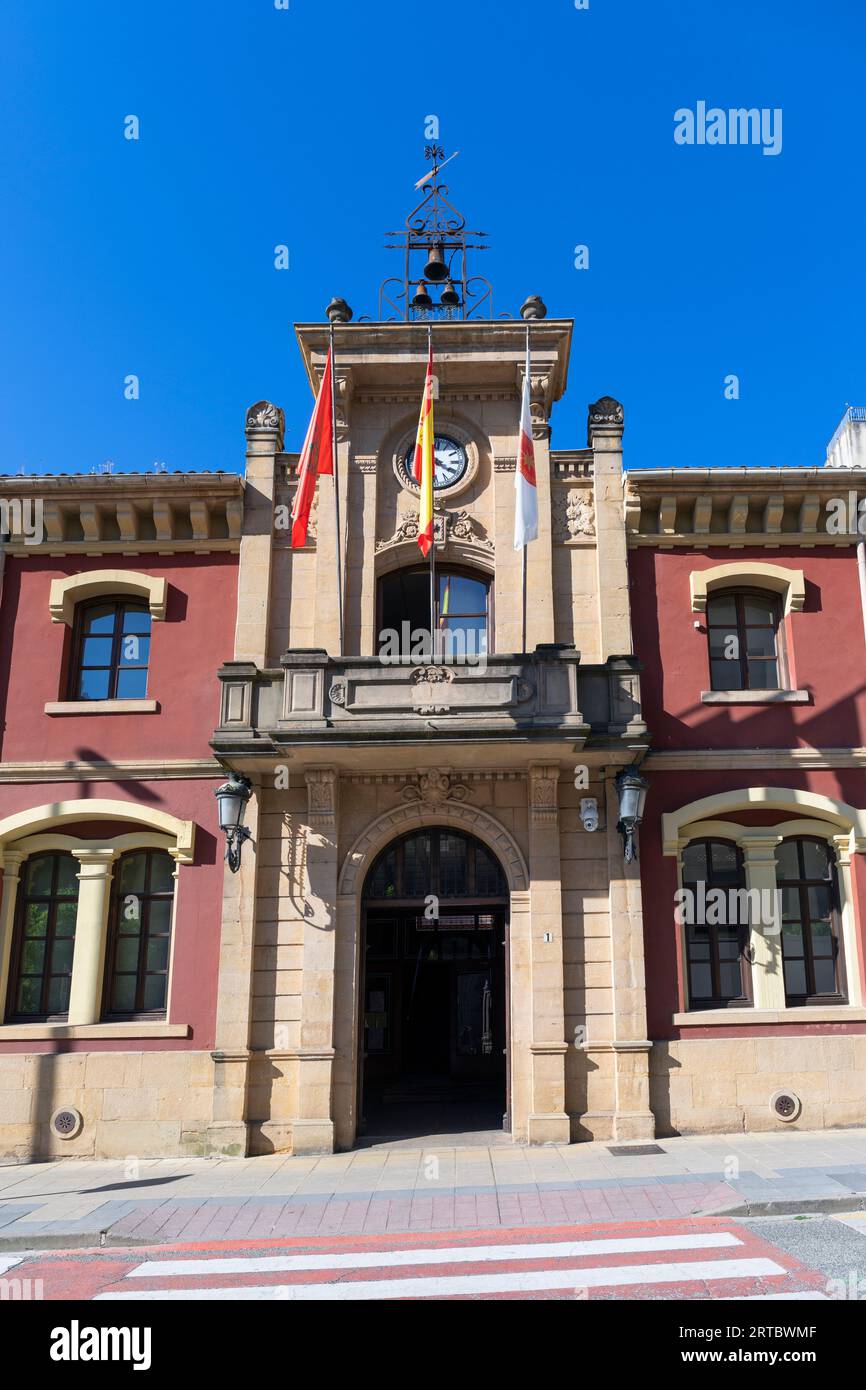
x: 404, y: 1240
x: 91, y: 1272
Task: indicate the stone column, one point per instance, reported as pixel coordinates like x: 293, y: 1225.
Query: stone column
x: 228, y: 1132
x: 633, y: 1118
x: 10, y: 862
x: 361, y: 634
x: 604, y: 436
x: 91, y: 932
x: 765, y: 937
x: 265, y: 432
x: 313, y: 1130
x: 853, y: 964
x: 539, y: 554
x: 548, y: 1121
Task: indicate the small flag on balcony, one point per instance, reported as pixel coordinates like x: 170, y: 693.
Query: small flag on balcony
x: 317, y: 456
x: 526, y: 492
x: 423, y: 464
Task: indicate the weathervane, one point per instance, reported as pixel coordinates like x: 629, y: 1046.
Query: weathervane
x: 438, y: 231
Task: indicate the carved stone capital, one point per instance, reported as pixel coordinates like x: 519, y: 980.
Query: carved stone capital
x: 322, y: 792
x: 543, y: 793
x: 606, y: 414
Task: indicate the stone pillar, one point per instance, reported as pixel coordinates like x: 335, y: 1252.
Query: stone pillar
x: 853, y: 962
x: 361, y: 634
x: 548, y: 1121
x: 10, y: 862
x: 765, y: 937
x: 633, y: 1118
x: 228, y: 1132
x: 265, y: 432
x: 539, y: 555
x: 604, y: 436
x: 313, y: 1130
x: 91, y: 931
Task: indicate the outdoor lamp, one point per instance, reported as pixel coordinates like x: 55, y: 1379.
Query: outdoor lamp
x: 631, y: 788
x: 232, y: 798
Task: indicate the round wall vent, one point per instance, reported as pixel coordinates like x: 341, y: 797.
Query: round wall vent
x: 785, y: 1105
x: 67, y: 1122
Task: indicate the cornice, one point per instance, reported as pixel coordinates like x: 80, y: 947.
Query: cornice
x: 722, y: 759
x: 127, y: 770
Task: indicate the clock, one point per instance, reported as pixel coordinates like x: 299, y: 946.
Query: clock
x: 449, y: 462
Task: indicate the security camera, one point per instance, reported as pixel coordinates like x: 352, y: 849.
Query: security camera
x: 589, y: 812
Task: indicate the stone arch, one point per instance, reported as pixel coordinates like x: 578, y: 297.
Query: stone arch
x: 795, y: 800
x: 56, y: 814
x: 75, y: 588
x: 417, y: 815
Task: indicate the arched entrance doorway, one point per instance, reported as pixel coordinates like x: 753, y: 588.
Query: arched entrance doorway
x: 433, y: 1035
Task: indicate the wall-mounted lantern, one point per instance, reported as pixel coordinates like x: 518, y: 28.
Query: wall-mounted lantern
x: 631, y: 788
x: 232, y: 798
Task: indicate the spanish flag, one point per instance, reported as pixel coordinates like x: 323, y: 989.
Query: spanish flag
x: 423, y: 465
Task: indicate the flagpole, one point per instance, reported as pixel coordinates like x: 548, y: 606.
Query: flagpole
x: 524, y: 547
x: 338, y: 528
x: 433, y: 633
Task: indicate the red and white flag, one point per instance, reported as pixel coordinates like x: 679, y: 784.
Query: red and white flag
x: 317, y: 456
x: 526, y: 492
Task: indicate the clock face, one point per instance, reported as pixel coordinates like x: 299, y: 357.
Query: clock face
x: 449, y: 461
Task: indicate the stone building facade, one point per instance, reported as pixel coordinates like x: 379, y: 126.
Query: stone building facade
x: 349, y: 754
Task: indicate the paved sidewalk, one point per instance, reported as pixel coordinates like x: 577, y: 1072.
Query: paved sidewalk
x: 430, y: 1188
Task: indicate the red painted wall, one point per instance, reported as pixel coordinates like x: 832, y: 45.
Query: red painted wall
x: 199, y: 888
x: 196, y: 636
x: 664, y: 968
x: 826, y: 654
x: 825, y: 645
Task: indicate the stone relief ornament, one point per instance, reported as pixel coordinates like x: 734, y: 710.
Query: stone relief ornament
x: 433, y: 788
x: 432, y: 682
x: 607, y: 411
x: 575, y: 514
x: 458, y: 526
x: 543, y: 784
x: 337, y: 693
x: 264, y: 416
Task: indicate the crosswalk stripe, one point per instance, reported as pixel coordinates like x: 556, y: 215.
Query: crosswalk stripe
x: 433, y: 1286
x: 434, y: 1255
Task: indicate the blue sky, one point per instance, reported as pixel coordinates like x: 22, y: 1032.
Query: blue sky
x: 306, y: 127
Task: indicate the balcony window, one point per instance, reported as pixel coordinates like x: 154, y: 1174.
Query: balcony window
x: 461, y: 618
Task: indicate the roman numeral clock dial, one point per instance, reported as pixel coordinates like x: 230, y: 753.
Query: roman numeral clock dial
x: 449, y: 462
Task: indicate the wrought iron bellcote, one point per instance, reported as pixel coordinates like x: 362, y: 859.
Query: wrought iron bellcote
x: 436, y: 283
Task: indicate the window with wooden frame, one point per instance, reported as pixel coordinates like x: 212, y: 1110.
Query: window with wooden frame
x: 439, y: 861
x: 744, y: 633
x: 811, y: 938
x: 718, y: 961
x: 139, y: 947
x: 43, y: 940
x: 110, y: 650
x: 463, y: 615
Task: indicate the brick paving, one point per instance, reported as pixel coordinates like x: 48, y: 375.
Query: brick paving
x: 394, y: 1190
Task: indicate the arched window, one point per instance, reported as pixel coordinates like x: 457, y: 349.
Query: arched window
x: 439, y: 861
x: 811, y: 950
x: 111, y: 650
x: 743, y: 631
x: 462, y: 619
x: 44, y: 939
x: 716, y: 927
x: 140, y: 935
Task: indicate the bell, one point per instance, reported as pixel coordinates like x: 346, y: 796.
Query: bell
x: 421, y: 299
x: 450, y: 298
x: 436, y: 269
